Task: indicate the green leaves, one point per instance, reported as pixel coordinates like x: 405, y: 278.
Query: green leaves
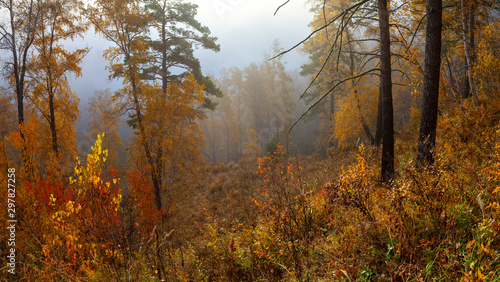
x: 179, y: 33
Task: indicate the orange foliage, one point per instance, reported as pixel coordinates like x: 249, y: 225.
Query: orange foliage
x: 85, y: 231
x: 30, y: 147
x: 143, y: 199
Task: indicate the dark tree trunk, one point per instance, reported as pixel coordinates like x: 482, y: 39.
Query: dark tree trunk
x: 24, y: 40
x: 430, y: 95
x: 20, y: 106
x: 20, y: 59
x: 466, y: 90
x: 378, y: 130
x: 468, y: 22
x: 53, y: 124
x: 155, y: 177
x: 386, y: 88
x: 163, y: 48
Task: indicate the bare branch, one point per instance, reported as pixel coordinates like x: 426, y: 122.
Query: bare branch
x: 319, y: 72
x: 342, y: 14
x: 330, y: 91
x: 281, y: 6
x: 415, y: 33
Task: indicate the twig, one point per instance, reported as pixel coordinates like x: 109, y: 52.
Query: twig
x: 321, y: 28
x: 280, y: 7
x: 326, y: 94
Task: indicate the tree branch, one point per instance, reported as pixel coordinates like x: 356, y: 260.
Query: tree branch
x: 342, y: 14
x: 331, y: 90
x: 281, y: 6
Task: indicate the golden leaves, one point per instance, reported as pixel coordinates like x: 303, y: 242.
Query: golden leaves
x: 53, y: 104
x: 94, y: 208
x: 357, y: 105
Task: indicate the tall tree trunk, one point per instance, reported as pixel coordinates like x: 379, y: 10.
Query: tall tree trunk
x: 51, y: 90
x: 430, y: 95
x: 378, y: 131
x: 164, y: 85
x: 468, y: 22
x: 20, y: 59
x: 386, y: 88
x: 18, y: 74
x: 53, y: 123
x: 164, y: 78
x: 366, y: 128
x: 142, y: 136
x: 23, y: 41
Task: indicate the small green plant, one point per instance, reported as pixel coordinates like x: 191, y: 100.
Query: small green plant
x: 271, y: 147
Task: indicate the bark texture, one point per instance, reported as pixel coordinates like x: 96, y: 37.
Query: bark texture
x: 386, y: 89
x: 430, y: 95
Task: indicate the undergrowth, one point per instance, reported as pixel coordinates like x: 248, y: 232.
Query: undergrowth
x: 337, y: 222
x: 292, y: 218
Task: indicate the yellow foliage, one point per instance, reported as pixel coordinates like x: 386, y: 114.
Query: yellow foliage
x: 488, y: 61
x: 360, y: 102
x: 94, y: 208
x: 52, y: 102
x: 252, y: 149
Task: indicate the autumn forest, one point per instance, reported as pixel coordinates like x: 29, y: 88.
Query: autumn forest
x: 378, y: 159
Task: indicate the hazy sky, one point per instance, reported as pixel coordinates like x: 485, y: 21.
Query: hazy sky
x: 245, y: 30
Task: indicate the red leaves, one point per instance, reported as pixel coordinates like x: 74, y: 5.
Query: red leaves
x: 232, y: 247
x: 143, y: 198
x: 43, y: 188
